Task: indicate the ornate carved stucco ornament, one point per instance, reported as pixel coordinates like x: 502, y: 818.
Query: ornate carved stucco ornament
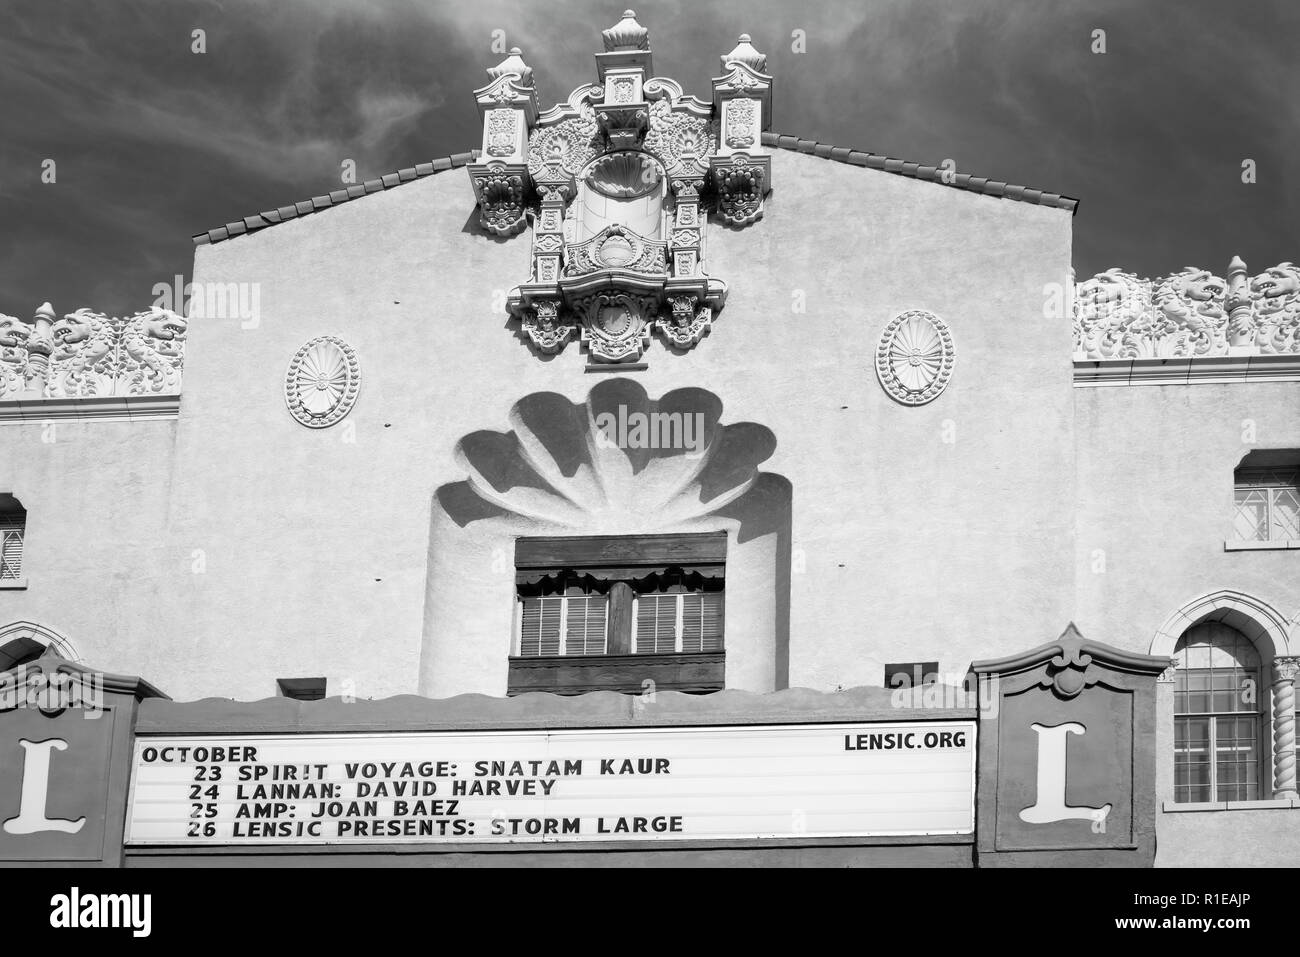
x: 741, y: 169
x: 617, y: 247
x: 616, y: 180
x: 500, y: 193
x: 542, y: 325
x: 508, y: 105
x: 615, y: 325
x: 322, y: 382
x: 89, y: 354
x: 1189, y: 314
x: 915, y: 357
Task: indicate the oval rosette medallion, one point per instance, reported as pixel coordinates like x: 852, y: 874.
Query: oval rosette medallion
x: 322, y: 382
x: 915, y: 356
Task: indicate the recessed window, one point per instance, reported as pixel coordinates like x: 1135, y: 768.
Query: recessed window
x: 911, y: 674
x: 1217, y: 717
x: 20, y: 651
x: 303, y: 689
x: 619, y: 613
x: 13, y: 529
x: 1267, y: 498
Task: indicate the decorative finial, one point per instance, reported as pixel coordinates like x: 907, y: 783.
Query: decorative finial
x: 746, y: 54
x: 514, y: 64
x: 626, y: 35
x: 1238, y: 302
x: 45, y: 311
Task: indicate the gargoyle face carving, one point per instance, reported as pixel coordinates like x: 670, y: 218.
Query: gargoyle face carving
x: 1202, y: 286
x: 1282, y: 280
x: 1108, y: 287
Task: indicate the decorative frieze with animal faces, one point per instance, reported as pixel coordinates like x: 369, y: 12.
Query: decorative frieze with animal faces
x: 89, y: 354
x: 1191, y: 314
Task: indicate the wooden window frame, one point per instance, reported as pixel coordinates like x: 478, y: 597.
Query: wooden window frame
x: 618, y: 560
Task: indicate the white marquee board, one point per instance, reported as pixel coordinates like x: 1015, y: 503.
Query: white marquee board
x: 467, y: 787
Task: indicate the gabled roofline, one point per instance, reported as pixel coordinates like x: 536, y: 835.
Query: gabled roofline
x: 840, y: 154
x: 975, y: 184
x: 273, y: 216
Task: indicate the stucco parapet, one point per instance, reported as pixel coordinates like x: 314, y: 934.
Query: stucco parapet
x: 536, y: 711
x: 965, y: 181
x: 376, y: 185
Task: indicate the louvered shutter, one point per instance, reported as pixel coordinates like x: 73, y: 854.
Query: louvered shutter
x: 585, y: 625
x: 702, y: 622
x: 11, y: 550
x: 656, y: 624
x: 540, y: 635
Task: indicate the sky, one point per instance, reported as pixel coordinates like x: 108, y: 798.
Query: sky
x: 152, y: 142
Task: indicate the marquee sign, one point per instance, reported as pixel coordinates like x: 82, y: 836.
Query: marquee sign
x: 555, y: 786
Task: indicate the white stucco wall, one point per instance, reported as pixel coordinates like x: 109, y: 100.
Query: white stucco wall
x: 911, y: 547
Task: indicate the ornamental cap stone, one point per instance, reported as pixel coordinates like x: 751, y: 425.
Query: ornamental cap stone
x: 513, y: 64
x: 44, y: 311
x: 746, y: 53
x: 626, y: 35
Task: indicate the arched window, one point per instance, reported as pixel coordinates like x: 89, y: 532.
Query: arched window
x: 19, y: 651
x: 22, y: 642
x: 1217, y: 716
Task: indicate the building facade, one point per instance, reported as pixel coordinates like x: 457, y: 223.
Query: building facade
x: 662, y: 401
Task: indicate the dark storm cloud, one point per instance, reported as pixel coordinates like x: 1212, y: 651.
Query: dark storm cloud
x: 154, y: 143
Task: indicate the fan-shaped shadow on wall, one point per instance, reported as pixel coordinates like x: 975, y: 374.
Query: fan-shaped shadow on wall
x: 623, y: 463
x: 620, y: 454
